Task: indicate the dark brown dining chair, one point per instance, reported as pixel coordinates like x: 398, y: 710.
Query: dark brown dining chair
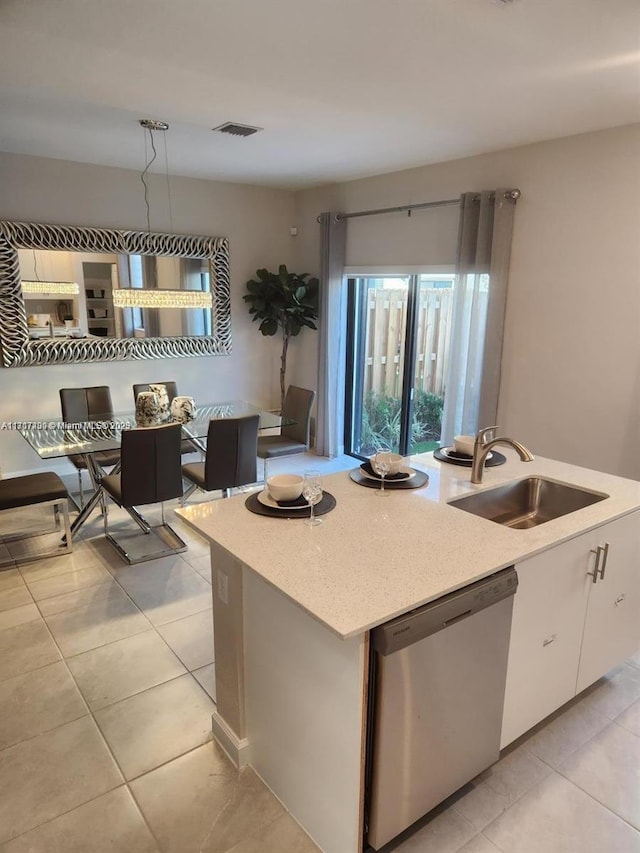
x: 230, y: 461
x: 295, y: 437
x: 88, y: 404
x: 149, y: 474
x: 172, y: 389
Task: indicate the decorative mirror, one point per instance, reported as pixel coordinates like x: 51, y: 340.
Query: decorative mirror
x: 121, y: 295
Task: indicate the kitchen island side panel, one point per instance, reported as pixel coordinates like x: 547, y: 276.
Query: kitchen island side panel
x: 304, y: 714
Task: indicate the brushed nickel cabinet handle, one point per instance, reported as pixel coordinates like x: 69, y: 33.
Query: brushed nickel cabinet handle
x: 594, y: 574
x: 605, y: 552
x: 619, y: 599
x: 550, y: 640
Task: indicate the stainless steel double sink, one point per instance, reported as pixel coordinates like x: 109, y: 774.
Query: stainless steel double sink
x: 528, y: 502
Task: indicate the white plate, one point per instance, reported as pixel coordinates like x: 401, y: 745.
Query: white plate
x: 460, y: 457
x: 266, y: 500
x: 404, y: 469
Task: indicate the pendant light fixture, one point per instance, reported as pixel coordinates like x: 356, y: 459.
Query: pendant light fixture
x: 68, y: 288
x: 136, y: 297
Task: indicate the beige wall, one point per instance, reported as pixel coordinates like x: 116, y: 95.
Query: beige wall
x: 571, y: 373
x: 256, y: 221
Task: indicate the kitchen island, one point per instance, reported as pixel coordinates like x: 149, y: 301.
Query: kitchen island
x: 293, y: 607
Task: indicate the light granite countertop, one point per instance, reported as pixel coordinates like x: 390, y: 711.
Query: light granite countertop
x: 373, y: 559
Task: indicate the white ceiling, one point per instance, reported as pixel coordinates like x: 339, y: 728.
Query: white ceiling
x: 342, y: 88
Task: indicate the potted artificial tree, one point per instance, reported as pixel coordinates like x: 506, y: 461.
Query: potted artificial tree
x: 284, y: 302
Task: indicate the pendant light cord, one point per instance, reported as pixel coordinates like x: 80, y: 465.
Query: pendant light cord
x: 148, y: 163
x: 143, y: 176
x: 166, y: 169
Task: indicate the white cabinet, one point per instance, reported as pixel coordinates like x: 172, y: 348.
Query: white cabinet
x: 546, y: 633
x: 612, y: 624
x: 568, y: 630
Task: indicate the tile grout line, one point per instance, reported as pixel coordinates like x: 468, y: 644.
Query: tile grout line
x: 610, y: 722
x: 604, y: 805
x: 95, y: 723
x: 517, y: 799
x: 152, y: 627
x: 152, y: 770
x: 75, y: 606
x: 497, y: 846
x: 588, y: 793
x: 90, y: 713
x: 544, y: 779
x: 623, y: 727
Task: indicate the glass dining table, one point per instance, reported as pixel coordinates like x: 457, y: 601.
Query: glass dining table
x: 55, y: 438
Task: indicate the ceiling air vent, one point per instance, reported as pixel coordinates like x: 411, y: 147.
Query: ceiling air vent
x: 237, y: 129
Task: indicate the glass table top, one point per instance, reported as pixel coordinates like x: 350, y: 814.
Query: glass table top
x: 55, y: 437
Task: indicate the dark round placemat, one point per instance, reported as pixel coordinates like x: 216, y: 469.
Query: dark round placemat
x: 467, y: 461
x: 327, y: 503
x: 416, y: 482
x: 367, y: 467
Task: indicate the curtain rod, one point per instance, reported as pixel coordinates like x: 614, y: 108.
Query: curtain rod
x: 407, y: 207
x: 514, y: 195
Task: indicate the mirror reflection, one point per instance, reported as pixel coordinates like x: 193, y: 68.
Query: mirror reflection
x: 55, y: 308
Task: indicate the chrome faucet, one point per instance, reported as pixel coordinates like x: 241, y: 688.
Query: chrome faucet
x: 483, y: 446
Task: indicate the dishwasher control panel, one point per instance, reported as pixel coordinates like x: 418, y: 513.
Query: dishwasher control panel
x: 445, y: 611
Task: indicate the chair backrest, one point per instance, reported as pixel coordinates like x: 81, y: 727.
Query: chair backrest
x: 172, y: 389
x: 151, y: 465
x: 232, y: 450
x: 85, y: 404
x: 297, y: 406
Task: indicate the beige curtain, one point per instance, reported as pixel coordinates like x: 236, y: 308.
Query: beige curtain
x: 332, y: 333
x: 482, y: 274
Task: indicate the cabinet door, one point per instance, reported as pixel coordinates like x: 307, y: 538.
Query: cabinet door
x: 612, y: 626
x: 546, y: 632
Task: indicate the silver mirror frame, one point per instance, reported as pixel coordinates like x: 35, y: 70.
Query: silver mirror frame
x: 18, y: 350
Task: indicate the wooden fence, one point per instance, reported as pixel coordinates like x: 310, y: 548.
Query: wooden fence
x: 387, y: 313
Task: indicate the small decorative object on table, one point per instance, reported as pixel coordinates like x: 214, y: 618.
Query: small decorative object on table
x: 164, y: 410
x: 147, y: 409
x: 183, y: 409
x: 312, y: 493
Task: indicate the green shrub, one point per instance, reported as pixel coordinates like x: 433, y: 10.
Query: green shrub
x: 427, y: 412
x: 381, y: 420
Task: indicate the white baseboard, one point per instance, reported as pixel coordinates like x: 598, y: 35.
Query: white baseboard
x: 236, y: 748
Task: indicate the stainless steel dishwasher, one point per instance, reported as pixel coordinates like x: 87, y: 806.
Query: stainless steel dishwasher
x: 437, y: 691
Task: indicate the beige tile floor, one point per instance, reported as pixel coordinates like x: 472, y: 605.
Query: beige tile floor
x: 106, y: 693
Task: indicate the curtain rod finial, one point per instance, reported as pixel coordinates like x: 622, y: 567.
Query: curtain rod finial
x: 514, y: 194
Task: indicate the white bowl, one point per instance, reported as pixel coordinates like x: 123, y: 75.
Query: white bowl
x: 285, y: 487
x: 395, y: 459
x: 464, y: 444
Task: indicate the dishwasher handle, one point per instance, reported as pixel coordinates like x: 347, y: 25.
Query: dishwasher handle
x: 457, y: 618
x: 443, y: 612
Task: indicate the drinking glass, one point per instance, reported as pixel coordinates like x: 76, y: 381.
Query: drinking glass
x: 312, y: 493
x: 381, y: 464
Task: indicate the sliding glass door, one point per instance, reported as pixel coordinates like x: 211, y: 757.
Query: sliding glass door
x: 397, y: 345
